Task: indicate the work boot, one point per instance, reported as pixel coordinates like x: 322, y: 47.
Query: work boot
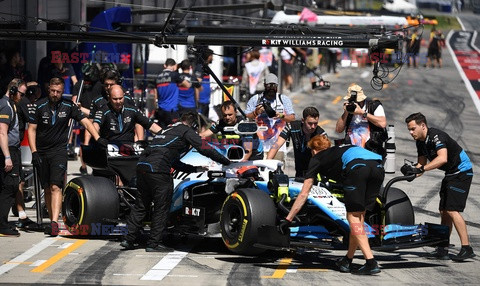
x: 51, y: 229
x: 465, y: 252
x: 127, y: 245
x: 344, y: 264
x: 369, y: 268
x: 440, y: 253
x: 158, y: 248
x: 9, y: 232
x: 26, y: 223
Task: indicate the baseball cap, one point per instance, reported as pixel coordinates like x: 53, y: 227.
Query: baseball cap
x: 271, y: 78
x: 355, y: 87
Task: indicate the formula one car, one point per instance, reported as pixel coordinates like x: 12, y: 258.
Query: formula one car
x: 243, y: 203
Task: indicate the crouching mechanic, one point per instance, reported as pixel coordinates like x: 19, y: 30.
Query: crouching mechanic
x: 155, y: 183
x: 445, y: 154
x: 48, y: 138
x: 361, y: 173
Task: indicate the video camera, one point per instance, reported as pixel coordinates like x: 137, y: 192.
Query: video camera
x: 320, y: 85
x: 268, y: 108
x: 350, y: 107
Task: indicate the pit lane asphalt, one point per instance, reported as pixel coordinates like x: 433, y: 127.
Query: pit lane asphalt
x: 440, y: 94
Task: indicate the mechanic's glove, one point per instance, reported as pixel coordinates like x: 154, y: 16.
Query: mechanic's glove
x: 36, y: 160
x: 410, y: 170
x: 284, y: 226
x: 102, y: 142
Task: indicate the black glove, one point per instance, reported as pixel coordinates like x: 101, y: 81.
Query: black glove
x: 284, y: 226
x: 36, y: 160
x: 408, y: 170
x: 102, y: 142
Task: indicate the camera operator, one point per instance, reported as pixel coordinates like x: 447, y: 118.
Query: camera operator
x: 273, y: 110
x: 363, y: 121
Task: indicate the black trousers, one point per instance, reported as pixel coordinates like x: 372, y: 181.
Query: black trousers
x: 8, y: 185
x: 156, y: 188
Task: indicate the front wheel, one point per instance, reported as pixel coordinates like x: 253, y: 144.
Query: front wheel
x: 243, y: 212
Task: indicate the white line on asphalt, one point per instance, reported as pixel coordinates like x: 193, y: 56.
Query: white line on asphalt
x: 65, y: 245
x: 164, y: 266
x: 37, y: 263
x: 26, y: 255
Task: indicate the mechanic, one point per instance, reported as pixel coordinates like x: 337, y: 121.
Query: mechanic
x: 361, y: 173
x: 437, y: 150
x: 24, y: 103
x: 188, y: 94
x: 118, y: 121
x: 365, y: 125
x: 301, y: 131
x: 10, y: 153
x: 251, y: 144
x: 155, y: 182
x: 48, y: 138
x: 167, y: 94
x: 280, y: 111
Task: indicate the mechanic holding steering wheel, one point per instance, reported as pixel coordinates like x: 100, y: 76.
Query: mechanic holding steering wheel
x: 361, y: 173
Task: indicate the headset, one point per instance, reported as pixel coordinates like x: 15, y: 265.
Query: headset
x: 14, y: 88
x: 91, y: 72
x: 110, y: 67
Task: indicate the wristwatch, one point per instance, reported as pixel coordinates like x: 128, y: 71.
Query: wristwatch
x: 365, y: 115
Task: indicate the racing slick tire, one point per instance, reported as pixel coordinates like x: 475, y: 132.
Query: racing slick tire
x: 398, y: 208
x: 243, y: 212
x: 89, y: 200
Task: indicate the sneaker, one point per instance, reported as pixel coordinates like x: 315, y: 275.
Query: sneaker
x: 158, y: 248
x: 26, y: 223
x: 51, y: 229
x: 8, y: 232
x: 440, y: 253
x: 344, y: 265
x: 367, y: 269
x: 465, y: 253
x: 83, y: 171
x: 127, y: 245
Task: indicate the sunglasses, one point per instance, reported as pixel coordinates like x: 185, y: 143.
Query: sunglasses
x: 21, y: 93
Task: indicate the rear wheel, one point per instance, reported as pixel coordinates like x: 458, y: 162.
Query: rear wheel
x: 88, y: 203
x: 243, y: 212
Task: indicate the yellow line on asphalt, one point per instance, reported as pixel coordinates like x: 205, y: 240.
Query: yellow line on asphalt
x: 281, y: 269
x: 54, y: 259
x: 337, y: 99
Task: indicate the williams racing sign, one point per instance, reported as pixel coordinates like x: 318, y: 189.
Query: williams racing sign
x: 302, y: 43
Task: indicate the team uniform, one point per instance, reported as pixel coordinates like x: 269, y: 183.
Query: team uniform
x: 120, y: 127
x: 186, y: 96
x: 9, y: 180
x: 257, y: 146
x: 458, y: 169
x: 301, y: 152
x: 52, y: 137
x: 154, y: 181
x: 167, y: 89
x: 359, y: 170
